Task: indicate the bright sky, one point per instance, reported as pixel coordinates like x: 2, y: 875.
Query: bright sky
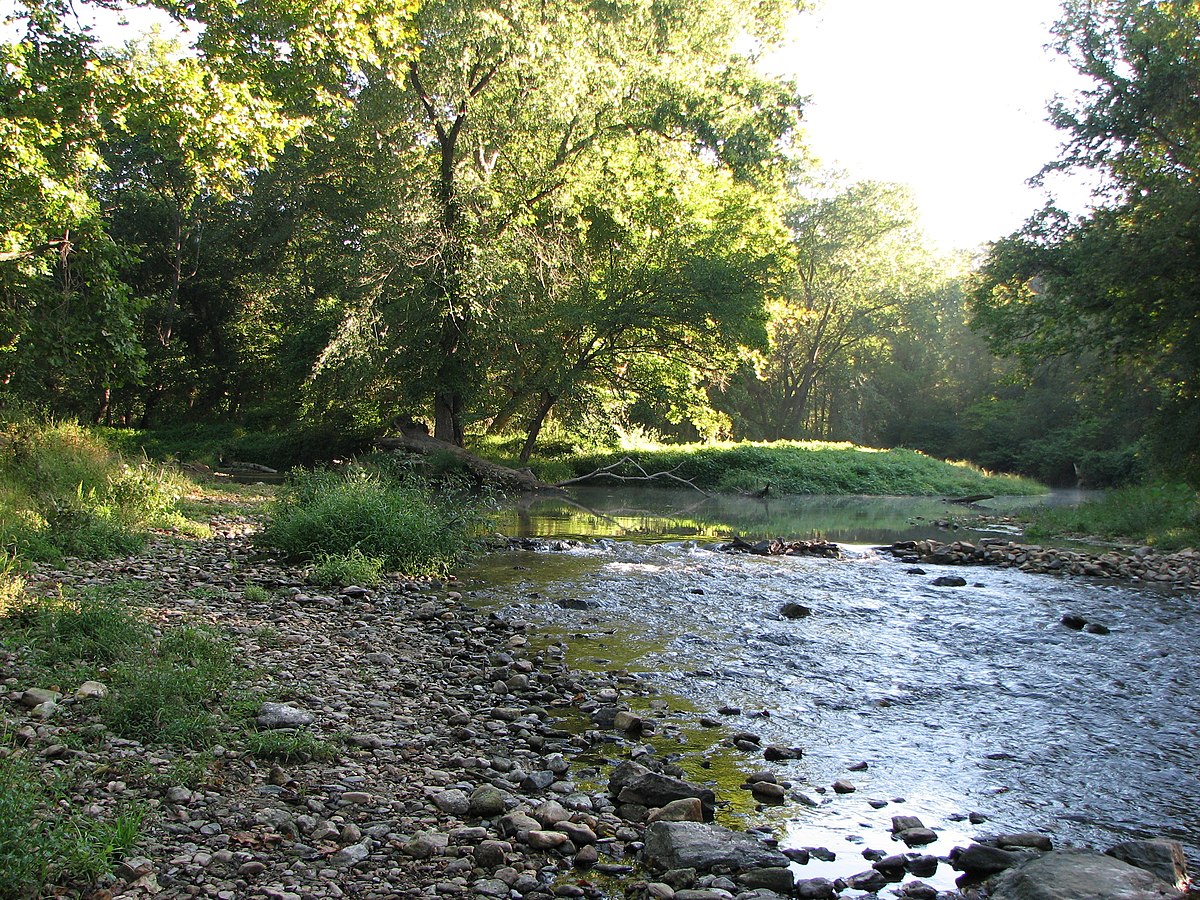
x: 946, y: 96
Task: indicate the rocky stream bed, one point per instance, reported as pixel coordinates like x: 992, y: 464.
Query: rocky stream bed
x: 470, y: 762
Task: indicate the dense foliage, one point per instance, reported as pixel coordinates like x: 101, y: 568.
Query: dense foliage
x: 565, y: 222
x: 1117, y: 288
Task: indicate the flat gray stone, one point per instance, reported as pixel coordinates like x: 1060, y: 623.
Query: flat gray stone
x: 281, y: 715
x: 1162, y: 859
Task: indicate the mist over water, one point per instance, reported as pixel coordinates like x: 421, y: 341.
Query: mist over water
x: 959, y: 700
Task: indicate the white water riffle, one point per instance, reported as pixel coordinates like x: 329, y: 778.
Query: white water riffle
x: 960, y: 700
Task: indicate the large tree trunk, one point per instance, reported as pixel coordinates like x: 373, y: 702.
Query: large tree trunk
x: 535, y: 425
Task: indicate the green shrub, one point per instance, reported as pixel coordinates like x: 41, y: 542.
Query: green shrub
x: 404, y: 522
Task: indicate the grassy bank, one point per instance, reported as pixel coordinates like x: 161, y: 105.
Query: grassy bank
x: 796, y: 467
x: 1164, y: 516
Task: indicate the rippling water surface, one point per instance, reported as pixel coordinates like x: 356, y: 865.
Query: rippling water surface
x: 959, y: 700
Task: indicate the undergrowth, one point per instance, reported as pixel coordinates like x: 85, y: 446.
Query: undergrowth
x: 65, y: 492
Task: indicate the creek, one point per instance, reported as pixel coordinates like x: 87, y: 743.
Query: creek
x: 960, y: 701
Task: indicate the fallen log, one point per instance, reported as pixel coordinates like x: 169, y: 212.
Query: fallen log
x: 489, y: 472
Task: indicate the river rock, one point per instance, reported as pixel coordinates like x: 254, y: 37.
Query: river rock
x: 1080, y: 875
x: 282, y: 715
x: 487, y: 801
x: 768, y: 791
x: 653, y: 790
x: 950, y: 581
x: 871, y: 881
x: 771, y: 878
x: 1025, y: 840
x: 37, y: 696
x: 689, y: 809
x: 815, y: 889
x: 982, y: 861
x: 693, y: 845
x: 775, y: 753
x: 92, y: 690
x: 1163, y: 859
x: 795, y: 611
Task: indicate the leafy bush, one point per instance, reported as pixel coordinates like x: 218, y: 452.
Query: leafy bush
x: 404, y: 522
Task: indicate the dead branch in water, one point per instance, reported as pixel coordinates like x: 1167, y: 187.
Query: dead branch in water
x: 609, y: 471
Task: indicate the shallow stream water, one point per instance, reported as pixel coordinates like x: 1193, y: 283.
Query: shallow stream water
x: 958, y: 700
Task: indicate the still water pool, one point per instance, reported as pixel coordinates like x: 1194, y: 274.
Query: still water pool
x: 959, y: 700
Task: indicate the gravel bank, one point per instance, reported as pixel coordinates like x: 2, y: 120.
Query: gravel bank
x: 452, y: 773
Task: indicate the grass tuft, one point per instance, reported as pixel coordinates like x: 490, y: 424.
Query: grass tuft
x: 285, y: 745
x: 41, y: 847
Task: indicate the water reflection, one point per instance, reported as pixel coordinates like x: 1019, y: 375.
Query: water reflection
x: 662, y: 514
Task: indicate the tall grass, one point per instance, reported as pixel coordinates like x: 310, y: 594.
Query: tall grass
x: 407, y: 524
x: 808, y: 467
x: 1166, y: 516
x: 162, y: 689
x: 63, y: 491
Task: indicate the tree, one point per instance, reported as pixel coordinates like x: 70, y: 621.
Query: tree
x: 1121, y: 283
x: 663, y: 290
x: 858, y: 260
x: 181, y: 141
x: 68, y: 321
x: 485, y: 131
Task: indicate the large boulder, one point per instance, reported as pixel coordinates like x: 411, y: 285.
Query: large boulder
x: 652, y: 790
x: 695, y: 845
x: 1080, y: 875
x: 1163, y: 859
